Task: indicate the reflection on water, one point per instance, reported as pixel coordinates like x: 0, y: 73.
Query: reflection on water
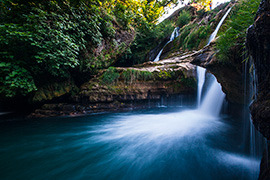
x: 161, y: 143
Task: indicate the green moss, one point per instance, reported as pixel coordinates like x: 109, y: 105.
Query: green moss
x: 131, y: 75
x: 54, y: 90
x: 164, y: 75
x: 110, y: 76
x: 189, y: 82
x: 145, y: 76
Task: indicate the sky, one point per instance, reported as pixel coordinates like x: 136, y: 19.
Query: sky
x: 171, y: 10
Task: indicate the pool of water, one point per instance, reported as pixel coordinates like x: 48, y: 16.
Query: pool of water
x: 160, y: 143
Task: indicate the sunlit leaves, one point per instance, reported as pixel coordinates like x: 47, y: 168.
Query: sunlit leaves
x: 46, y: 41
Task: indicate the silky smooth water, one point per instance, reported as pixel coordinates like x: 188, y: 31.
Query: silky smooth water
x: 214, y: 34
x: 174, y: 34
x: 200, y: 78
x: 161, y: 143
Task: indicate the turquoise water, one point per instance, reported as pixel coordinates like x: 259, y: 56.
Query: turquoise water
x: 160, y: 143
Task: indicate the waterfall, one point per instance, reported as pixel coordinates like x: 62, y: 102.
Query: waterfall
x: 174, y: 34
x: 214, y: 34
x: 251, y: 137
x: 215, y: 87
x: 201, y: 79
x: 213, y: 100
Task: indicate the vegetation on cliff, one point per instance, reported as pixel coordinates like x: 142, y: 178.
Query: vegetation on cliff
x: 233, y: 31
x: 195, y: 27
x: 49, y: 48
x: 43, y: 42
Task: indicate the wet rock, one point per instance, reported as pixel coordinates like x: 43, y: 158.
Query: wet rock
x: 150, y: 82
x: 265, y: 164
x: 258, y: 43
x: 229, y: 75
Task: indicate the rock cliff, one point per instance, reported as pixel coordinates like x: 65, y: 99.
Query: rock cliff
x: 229, y: 75
x: 258, y: 43
x: 125, y: 88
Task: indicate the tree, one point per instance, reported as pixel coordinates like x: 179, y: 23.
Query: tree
x: 46, y: 41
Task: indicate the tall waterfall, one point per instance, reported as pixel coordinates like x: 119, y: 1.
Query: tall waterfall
x: 209, y: 105
x: 174, y: 34
x: 214, y: 34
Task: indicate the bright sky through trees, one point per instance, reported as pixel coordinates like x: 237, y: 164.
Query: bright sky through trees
x: 172, y: 9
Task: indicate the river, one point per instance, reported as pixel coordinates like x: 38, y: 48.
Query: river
x: 157, y: 143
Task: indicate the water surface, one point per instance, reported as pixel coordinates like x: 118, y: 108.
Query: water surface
x: 161, y: 143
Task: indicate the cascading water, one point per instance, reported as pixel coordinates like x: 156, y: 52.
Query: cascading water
x: 174, y: 34
x: 255, y: 140
x: 214, y: 34
x: 201, y: 78
x: 156, y: 144
x: 201, y: 71
x: 213, y: 100
x: 153, y: 144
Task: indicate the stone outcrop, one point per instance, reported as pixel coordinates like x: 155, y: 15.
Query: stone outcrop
x: 258, y: 43
x: 229, y: 75
x: 133, y: 87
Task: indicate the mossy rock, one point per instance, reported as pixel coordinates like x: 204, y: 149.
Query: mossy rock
x: 55, y: 90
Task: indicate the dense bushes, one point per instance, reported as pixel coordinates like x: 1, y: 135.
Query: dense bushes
x: 43, y: 42
x: 110, y: 76
x: 183, y: 18
x: 148, y: 37
x: 193, y: 40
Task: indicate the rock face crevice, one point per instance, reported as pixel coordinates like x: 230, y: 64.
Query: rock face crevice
x: 258, y: 43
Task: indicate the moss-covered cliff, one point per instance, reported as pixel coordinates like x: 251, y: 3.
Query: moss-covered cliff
x: 132, y: 87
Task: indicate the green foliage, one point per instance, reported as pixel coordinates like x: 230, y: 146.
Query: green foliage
x: 234, y: 33
x: 203, y: 32
x: 110, y: 76
x: 201, y: 13
x: 48, y: 92
x: 42, y: 42
x: 145, y: 76
x: 184, y: 32
x: 47, y: 41
x: 148, y: 36
x: 166, y: 75
x: 15, y: 80
x: 188, y: 82
x: 131, y: 75
x: 195, y: 37
x: 183, y: 18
